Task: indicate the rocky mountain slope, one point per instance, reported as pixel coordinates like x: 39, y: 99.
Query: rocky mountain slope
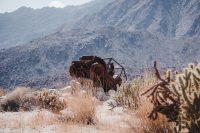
x: 25, y: 24
x: 169, y: 18
x: 44, y: 62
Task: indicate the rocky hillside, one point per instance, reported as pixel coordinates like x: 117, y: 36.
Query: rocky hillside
x: 133, y: 40
x: 45, y: 62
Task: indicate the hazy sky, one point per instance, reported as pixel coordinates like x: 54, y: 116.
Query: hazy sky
x: 11, y: 5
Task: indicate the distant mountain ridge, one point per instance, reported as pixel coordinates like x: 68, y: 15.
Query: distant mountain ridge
x: 25, y: 24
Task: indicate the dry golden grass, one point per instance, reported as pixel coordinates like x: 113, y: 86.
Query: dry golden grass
x: 14, y: 124
x: 43, y: 118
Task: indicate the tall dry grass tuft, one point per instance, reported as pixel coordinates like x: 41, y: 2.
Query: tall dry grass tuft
x: 84, y: 111
x: 81, y: 109
x: 142, y: 124
x: 161, y: 125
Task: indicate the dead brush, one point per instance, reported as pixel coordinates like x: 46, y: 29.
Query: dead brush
x: 51, y: 101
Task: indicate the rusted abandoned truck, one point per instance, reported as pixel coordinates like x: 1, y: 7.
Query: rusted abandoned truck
x: 101, y: 71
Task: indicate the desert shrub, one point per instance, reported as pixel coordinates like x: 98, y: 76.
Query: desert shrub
x: 24, y: 99
x: 50, y: 100
x: 128, y: 93
x: 28, y: 102
x: 13, y: 101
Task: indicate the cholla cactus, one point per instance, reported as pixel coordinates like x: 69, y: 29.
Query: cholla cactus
x: 187, y: 87
x: 180, y: 101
